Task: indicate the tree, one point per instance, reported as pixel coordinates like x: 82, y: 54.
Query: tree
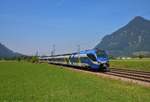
x: 34, y: 59
x: 18, y: 59
x: 111, y: 57
x: 141, y: 56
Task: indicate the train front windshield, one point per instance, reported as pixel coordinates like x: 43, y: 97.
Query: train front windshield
x: 101, y: 53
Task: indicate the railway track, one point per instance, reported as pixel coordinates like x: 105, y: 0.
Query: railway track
x: 123, y: 73
x: 131, y: 74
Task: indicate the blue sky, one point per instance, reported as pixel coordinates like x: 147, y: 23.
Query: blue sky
x: 30, y: 25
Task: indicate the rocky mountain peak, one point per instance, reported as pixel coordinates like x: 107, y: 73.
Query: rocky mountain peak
x: 131, y: 38
x: 137, y: 18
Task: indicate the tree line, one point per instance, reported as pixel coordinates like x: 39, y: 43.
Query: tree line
x: 33, y: 59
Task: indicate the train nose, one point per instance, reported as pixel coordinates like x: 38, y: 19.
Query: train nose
x: 102, y: 62
x: 104, y: 66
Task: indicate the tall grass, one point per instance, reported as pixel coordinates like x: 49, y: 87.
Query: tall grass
x: 27, y: 82
x: 136, y: 64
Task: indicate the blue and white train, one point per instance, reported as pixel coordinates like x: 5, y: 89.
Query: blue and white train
x: 94, y: 59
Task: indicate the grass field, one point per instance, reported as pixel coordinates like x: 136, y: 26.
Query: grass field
x: 26, y: 82
x: 137, y: 64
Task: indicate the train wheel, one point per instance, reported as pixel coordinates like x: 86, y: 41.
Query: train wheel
x: 106, y: 69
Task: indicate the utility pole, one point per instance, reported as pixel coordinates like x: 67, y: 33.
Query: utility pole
x: 78, y: 48
x: 36, y: 54
x: 78, y: 51
x: 53, y: 50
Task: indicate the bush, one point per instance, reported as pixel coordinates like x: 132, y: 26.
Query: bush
x: 111, y: 57
x: 34, y: 59
x: 18, y: 59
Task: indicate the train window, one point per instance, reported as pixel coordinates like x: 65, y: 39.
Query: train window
x: 101, y: 53
x: 91, y: 56
x: 83, y: 59
x: 75, y: 59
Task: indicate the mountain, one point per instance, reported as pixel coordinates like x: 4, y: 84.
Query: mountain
x: 131, y: 39
x: 7, y: 53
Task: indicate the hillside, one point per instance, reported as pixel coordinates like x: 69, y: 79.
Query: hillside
x: 134, y: 38
x: 7, y: 53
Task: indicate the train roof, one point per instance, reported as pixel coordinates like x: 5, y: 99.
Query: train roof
x: 90, y: 51
x: 81, y: 52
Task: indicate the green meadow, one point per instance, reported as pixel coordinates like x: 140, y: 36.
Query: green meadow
x: 27, y: 82
x: 134, y: 64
